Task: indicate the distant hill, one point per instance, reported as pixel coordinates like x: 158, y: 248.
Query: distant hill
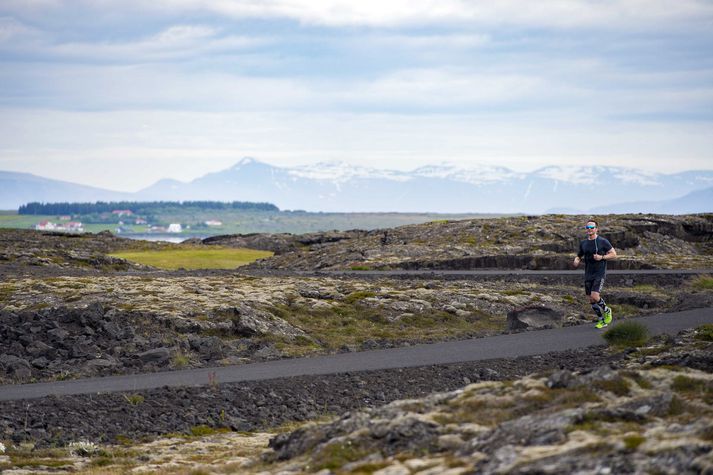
x: 20, y: 188
x: 699, y: 201
x: 339, y: 187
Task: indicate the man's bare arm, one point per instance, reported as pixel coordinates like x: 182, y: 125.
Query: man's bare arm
x: 611, y: 254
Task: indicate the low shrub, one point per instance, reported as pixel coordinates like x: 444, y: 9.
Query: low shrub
x: 631, y: 442
x: 705, y: 332
x: 684, y: 384
x: 204, y: 430
x: 83, y: 448
x: 134, y: 399
x: 359, y: 295
x: 180, y: 360
x: 702, y: 282
x: 618, y: 386
x: 627, y: 334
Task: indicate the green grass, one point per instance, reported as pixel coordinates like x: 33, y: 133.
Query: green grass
x: 705, y: 332
x: 618, y: 386
x: 134, y: 399
x: 23, y: 221
x: 638, y: 379
x: 702, y: 282
x: 195, y: 258
x: 356, y: 296
x: 180, y: 360
x: 625, y: 310
x: 627, y: 334
x: 632, y: 442
x: 645, y: 288
x: 569, y: 299
x: 511, y: 292
x: 28, y: 221
x: 203, y: 430
x: 335, y: 455
x: 684, y: 384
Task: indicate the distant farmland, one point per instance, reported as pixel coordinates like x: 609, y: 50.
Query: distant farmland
x: 193, y: 221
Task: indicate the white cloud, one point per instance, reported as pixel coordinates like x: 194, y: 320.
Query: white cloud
x: 611, y: 14
x: 173, y: 43
x: 635, y: 14
x: 12, y: 30
x: 168, y: 87
x: 440, y: 42
x: 31, y: 5
x: 438, y: 89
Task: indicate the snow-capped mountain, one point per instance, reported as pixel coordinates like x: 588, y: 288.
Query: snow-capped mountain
x: 341, y: 187
x: 338, y: 186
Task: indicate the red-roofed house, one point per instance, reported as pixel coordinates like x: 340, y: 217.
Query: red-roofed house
x: 122, y: 212
x: 45, y: 226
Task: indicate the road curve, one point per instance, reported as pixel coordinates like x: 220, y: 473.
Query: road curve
x: 501, y: 346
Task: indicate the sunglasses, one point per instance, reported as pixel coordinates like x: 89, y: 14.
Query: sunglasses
x: 590, y: 227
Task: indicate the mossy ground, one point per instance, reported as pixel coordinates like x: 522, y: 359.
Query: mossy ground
x: 349, y: 324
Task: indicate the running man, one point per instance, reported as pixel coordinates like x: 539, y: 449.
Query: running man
x: 596, y: 251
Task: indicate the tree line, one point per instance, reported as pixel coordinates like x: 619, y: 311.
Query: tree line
x: 137, y: 207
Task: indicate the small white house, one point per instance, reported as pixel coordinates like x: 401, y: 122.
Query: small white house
x: 174, y: 228
x: 213, y: 222
x: 45, y: 226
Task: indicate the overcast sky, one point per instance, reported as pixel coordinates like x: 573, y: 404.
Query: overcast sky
x: 120, y: 93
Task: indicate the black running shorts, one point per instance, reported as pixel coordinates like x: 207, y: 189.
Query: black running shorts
x: 594, y: 285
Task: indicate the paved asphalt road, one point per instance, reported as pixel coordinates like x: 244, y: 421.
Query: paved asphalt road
x: 502, y: 346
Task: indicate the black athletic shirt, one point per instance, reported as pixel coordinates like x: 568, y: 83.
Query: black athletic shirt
x: 587, y: 248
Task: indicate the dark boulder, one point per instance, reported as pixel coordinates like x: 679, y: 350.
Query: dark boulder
x: 534, y: 316
x: 156, y: 355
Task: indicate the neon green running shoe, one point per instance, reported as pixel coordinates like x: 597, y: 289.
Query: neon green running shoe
x: 607, y: 316
x: 600, y: 323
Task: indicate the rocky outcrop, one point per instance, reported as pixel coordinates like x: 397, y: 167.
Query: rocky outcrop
x: 67, y: 342
x: 526, y: 242
x: 534, y: 317
x: 250, y: 322
x: 282, y: 243
x: 25, y: 248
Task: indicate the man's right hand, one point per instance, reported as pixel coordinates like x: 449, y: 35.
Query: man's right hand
x: 576, y: 262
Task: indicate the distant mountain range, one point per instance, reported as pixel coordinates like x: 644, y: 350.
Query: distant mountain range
x: 340, y: 187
